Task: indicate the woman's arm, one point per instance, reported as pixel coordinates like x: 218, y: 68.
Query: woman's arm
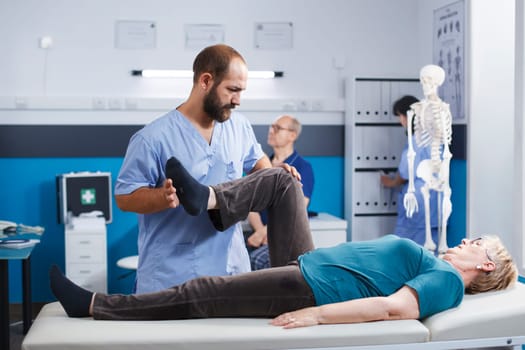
x: 401, y: 305
x: 389, y: 182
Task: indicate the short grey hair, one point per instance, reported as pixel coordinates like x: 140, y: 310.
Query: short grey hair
x: 295, y: 125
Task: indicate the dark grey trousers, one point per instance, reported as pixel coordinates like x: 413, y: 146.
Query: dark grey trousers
x: 263, y: 293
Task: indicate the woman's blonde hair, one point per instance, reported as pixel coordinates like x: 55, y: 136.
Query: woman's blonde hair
x: 505, y: 273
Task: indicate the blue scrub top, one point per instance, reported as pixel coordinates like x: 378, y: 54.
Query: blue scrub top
x: 174, y: 246
x: 305, y: 169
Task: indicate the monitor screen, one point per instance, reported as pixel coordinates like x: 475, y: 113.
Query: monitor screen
x: 84, y: 192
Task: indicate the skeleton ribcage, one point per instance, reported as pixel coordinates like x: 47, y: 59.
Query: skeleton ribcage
x: 433, y: 127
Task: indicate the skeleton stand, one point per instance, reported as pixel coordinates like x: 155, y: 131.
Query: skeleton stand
x: 433, y: 127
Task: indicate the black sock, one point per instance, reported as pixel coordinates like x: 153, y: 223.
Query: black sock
x: 74, y: 299
x: 192, y: 195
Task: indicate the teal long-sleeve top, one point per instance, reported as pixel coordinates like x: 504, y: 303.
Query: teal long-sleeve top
x: 354, y: 270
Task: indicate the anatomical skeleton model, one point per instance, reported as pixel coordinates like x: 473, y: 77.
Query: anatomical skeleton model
x: 432, y: 127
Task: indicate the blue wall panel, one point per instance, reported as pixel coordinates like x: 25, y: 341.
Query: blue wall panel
x: 28, y: 190
x: 328, y: 193
x: 457, y: 223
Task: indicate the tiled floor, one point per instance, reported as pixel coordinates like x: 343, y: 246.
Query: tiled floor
x: 16, y: 336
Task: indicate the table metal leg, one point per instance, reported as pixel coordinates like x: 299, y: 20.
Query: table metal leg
x: 27, y: 312
x: 4, y: 305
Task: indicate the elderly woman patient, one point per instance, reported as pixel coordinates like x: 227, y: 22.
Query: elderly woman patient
x: 389, y: 278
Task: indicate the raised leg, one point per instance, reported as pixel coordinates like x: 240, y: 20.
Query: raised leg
x: 277, y: 191
x: 273, y: 189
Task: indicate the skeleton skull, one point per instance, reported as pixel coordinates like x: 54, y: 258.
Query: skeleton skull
x: 431, y: 77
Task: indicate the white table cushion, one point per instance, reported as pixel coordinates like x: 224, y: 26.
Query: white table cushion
x: 53, y: 330
x: 485, y: 315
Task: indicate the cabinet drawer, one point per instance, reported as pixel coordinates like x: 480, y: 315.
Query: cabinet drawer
x: 86, y: 240
x: 90, y: 276
x: 86, y: 270
x: 79, y: 255
x: 88, y: 250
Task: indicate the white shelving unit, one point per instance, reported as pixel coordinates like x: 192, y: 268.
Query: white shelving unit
x: 374, y: 142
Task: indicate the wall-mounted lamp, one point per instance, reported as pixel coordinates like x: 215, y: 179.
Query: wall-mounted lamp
x: 169, y: 73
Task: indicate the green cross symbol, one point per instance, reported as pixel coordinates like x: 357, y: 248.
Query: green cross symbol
x: 88, y: 196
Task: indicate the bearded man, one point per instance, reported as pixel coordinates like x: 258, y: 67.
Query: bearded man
x: 215, y: 144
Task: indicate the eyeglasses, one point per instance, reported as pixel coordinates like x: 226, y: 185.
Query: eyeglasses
x: 478, y: 242
x: 276, y: 128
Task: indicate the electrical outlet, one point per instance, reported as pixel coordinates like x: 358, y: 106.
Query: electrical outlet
x: 114, y: 103
x: 289, y: 106
x: 317, y: 105
x: 131, y: 103
x: 303, y: 105
x: 99, y: 103
x: 21, y: 103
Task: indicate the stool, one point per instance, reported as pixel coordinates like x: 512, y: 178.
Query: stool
x: 129, y: 262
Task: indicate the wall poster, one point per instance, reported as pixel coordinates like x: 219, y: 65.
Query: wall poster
x: 199, y: 36
x: 274, y: 35
x: 449, y: 53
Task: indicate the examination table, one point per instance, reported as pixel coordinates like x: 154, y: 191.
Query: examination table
x: 493, y: 319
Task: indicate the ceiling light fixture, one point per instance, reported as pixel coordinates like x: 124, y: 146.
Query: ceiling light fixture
x: 170, y: 73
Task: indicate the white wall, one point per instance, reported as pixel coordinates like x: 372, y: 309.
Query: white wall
x: 493, y: 181
x: 425, y: 22
x: 491, y: 104
x: 371, y: 37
